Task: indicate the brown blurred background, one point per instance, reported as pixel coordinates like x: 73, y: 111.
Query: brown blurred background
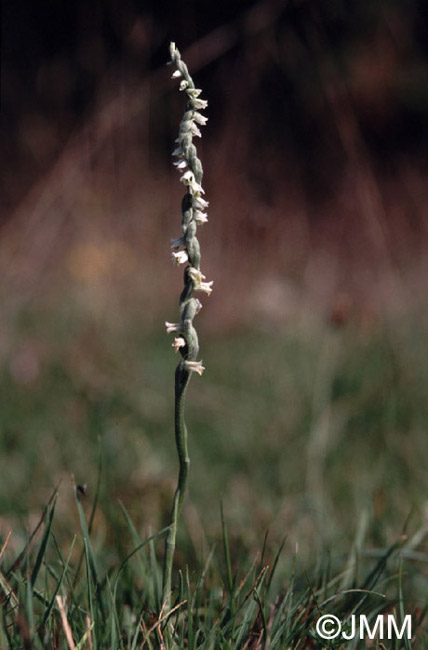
x: 314, y: 155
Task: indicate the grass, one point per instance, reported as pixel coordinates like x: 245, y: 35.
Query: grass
x: 317, y: 434
x: 48, y: 602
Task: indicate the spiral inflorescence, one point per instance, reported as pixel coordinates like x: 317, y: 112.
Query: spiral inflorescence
x: 186, y: 249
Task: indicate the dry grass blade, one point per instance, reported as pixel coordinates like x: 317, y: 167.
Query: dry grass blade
x: 3, y: 548
x: 65, y: 624
x: 89, y: 627
x: 8, y: 591
x: 162, y: 618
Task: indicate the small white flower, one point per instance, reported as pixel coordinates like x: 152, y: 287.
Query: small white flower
x: 194, y: 366
x: 206, y: 287
x: 196, y: 189
x: 178, y: 242
x: 200, y: 217
x: 194, y: 129
x: 180, y: 164
x: 198, y: 284
x: 176, y: 74
x: 196, y: 275
x: 179, y: 342
x: 194, y: 92
x: 200, y: 103
x: 180, y: 257
x: 172, y: 327
x: 200, y: 119
x: 183, y: 84
x: 199, y: 203
x: 188, y: 177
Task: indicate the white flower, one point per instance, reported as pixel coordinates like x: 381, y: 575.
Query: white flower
x: 206, y: 287
x: 198, y: 284
x: 200, y: 119
x: 176, y: 74
x: 194, y: 92
x: 180, y: 257
x: 180, y: 164
x: 194, y: 129
x: 188, y: 179
x: 196, y: 275
x: 183, y: 84
x: 200, y: 217
x: 172, y: 327
x: 199, y: 203
x: 178, y: 242
x: 179, y: 342
x: 194, y: 366
x: 196, y: 189
x: 199, y: 103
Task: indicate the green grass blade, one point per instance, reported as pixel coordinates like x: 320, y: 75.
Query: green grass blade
x: 58, y: 586
x: 90, y: 558
x: 43, y: 545
x: 229, y: 576
x: 24, y: 552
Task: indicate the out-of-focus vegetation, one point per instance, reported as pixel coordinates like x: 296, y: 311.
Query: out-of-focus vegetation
x: 304, y: 431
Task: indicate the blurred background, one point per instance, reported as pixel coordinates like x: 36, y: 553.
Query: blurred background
x: 310, y: 420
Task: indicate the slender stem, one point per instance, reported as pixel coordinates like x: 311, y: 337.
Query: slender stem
x: 182, y: 378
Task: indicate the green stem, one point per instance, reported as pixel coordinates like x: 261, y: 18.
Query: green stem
x: 182, y: 377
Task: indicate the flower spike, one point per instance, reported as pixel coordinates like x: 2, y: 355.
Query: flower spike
x: 186, y: 250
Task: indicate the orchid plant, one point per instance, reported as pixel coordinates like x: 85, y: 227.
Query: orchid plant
x: 186, y: 251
